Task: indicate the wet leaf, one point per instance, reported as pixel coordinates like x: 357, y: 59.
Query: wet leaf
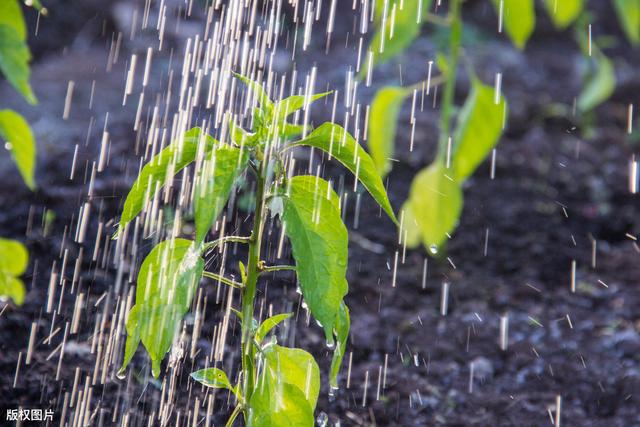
x: 338, y: 143
x: 599, y: 85
x: 518, y: 19
x: 563, y: 12
x: 14, y: 61
x: 270, y: 323
x: 383, y: 118
x: 212, y: 377
x: 287, y: 389
x: 293, y: 103
x: 13, y: 262
x: 410, y: 230
x: 628, y: 12
x: 16, y: 133
x: 261, y: 95
x: 436, y: 202
x: 395, y: 33
x: 166, y: 283
x: 478, y: 129
x: 343, y: 324
x: 161, y: 168
x: 319, y: 243
x: 213, y: 186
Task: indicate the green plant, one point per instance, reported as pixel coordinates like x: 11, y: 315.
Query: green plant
x: 435, y: 200
x: 276, y: 384
x: 15, y: 131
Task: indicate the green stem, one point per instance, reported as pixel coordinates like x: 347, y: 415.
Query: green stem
x: 271, y: 268
x: 450, y: 83
x: 234, y: 415
x: 223, y: 279
x: 223, y: 240
x: 249, y: 292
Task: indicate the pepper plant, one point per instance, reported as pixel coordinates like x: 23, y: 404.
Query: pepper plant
x: 276, y: 385
x: 16, y: 133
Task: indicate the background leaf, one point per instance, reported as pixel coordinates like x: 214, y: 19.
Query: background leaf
x: 336, y: 141
x: 436, y: 202
x: 599, y: 85
x: 162, y: 167
x: 213, y: 186
x: 14, y: 61
x: 343, y: 324
x: 628, y: 12
x: 563, y: 12
x: 478, y: 129
x: 383, y: 118
x: 518, y: 19
x: 13, y: 262
x: 15, y: 130
x: 166, y: 283
x: 11, y: 15
x: 319, y: 243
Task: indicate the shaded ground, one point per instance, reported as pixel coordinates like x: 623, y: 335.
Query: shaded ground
x: 555, y: 193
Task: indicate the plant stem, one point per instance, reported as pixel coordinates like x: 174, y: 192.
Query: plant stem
x: 450, y: 83
x: 249, y: 293
x: 272, y: 268
x: 223, y: 279
x: 234, y: 415
x: 222, y: 240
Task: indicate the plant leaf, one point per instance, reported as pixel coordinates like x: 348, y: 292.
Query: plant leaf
x: 319, y: 242
x: 166, y: 283
x: 213, y: 186
x: 293, y: 103
x: 394, y: 34
x: 599, y: 85
x: 628, y: 12
x: 15, y: 130
x: 338, y: 143
x: 13, y: 262
x: 261, y: 95
x: 563, y: 12
x: 287, y: 389
x: 270, y: 323
x: 14, y: 61
x: 161, y: 168
x: 383, y: 119
x: 11, y: 15
x: 212, y: 377
x: 478, y: 129
x: 519, y: 19
x: 436, y: 202
x: 410, y: 230
x: 343, y: 324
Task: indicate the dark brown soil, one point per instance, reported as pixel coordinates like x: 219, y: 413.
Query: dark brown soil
x: 561, y: 184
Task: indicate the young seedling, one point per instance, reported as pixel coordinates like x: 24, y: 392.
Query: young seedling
x: 277, y: 386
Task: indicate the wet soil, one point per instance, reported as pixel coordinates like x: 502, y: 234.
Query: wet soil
x: 560, y: 194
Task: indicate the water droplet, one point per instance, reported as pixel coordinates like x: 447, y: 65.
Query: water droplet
x: 8, y: 146
x: 332, y: 394
x: 121, y: 374
x: 322, y: 419
x: 433, y: 249
x: 298, y: 290
x: 331, y: 343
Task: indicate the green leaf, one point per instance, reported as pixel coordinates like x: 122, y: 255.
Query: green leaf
x: 16, y: 132
x: 11, y: 15
x: 212, y: 377
x: 162, y: 168
x: 166, y: 283
x: 293, y: 103
x: 263, y: 99
x: 312, y: 222
x: 518, y: 18
x: 13, y: 262
x: 410, y: 230
x: 14, y: 61
x: 629, y: 16
x: 478, y: 129
x: 214, y: 183
x: 336, y: 141
x: 287, y: 389
x: 436, y: 201
x: 239, y: 136
x: 396, y: 34
x: 343, y: 324
x: 563, y: 12
x: 600, y: 85
x: 383, y: 118
x: 269, y: 324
